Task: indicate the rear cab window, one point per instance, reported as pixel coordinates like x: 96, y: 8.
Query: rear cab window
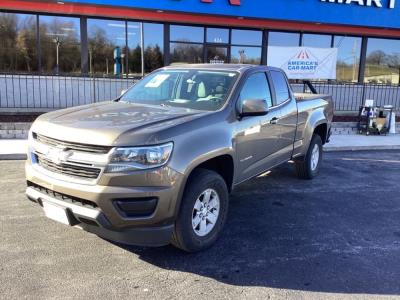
x: 281, y: 87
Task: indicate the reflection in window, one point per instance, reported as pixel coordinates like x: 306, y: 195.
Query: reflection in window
x: 18, y: 42
x: 217, y: 55
x: 60, y: 44
x: 246, y: 37
x: 256, y: 87
x: 283, y: 39
x: 349, y: 49
x: 317, y: 40
x: 191, y: 89
x: 383, y: 61
x: 187, y: 34
x: 280, y: 86
x: 186, y: 53
x: 106, y: 39
x: 134, y: 49
x: 246, y: 55
x: 217, y: 35
x: 153, y: 46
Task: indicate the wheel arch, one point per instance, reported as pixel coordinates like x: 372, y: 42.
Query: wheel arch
x: 222, y: 164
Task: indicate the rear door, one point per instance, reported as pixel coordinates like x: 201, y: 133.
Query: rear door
x: 287, y: 122
x: 256, y: 136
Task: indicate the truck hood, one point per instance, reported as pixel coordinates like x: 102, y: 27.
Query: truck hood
x: 106, y: 123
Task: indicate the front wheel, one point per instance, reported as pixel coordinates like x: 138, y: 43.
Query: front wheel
x: 203, y: 211
x: 308, y: 168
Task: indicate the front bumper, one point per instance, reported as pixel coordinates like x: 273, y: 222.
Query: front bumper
x: 94, y: 209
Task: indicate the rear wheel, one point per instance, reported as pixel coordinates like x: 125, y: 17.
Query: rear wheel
x: 203, y: 211
x: 308, y: 168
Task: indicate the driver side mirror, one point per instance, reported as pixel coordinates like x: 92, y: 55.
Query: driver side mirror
x: 254, y: 107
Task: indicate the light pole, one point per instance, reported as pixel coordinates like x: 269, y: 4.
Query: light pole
x: 241, y: 55
x: 122, y: 64
x: 58, y: 44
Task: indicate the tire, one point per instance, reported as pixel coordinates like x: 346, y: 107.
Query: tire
x: 201, y: 183
x: 306, y: 168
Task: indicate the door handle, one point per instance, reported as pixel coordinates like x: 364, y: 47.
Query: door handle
x: 274, y: 120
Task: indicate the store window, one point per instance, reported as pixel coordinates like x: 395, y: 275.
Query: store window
x: 317, y: 40
x: 186, y: 34
x: 382, y: 61
x: 107, y: 46
x: 60, y: 44
x: 246, y: 37
x: 217, y: 55
x: 134, y: 48
x: 153, y: 46
x: 217, y: 35
x: 348, y: 63
x: 283, y: 39
x: 246, y: 55
x: 186, y: 53
x: 187, y: 44
x: 18, y: 43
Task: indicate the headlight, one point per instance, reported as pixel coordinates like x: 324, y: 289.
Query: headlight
x: 138, y: 158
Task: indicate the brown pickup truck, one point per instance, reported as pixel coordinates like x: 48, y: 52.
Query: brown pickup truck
x: 156, y: 166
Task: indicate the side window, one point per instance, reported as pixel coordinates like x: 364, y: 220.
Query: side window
x: 281, y: 87
x: 256, y: 87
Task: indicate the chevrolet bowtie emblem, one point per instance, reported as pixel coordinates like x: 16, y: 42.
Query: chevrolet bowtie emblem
x: 58, y: 155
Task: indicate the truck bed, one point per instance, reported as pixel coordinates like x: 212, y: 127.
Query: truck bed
x: 308, y: 96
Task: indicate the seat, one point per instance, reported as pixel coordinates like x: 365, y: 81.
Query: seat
x: 201, y: 91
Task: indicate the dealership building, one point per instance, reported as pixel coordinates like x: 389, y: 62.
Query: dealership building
x: 82, y: 39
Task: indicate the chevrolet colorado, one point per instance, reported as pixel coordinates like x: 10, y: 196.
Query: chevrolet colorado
x: 156, y: 165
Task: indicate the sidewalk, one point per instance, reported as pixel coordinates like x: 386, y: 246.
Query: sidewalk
x: 16, y: 149
x: 13, y: 149
x: 358, y: 142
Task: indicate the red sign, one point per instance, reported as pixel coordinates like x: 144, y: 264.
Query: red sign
x: 303, y: 55
x: 231, y: 2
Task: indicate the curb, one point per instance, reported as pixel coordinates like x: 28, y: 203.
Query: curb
x: 13, y: 156
x: 361, y: 148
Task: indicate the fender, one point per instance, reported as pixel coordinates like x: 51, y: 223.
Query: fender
x: 316, y: 118
x: 218, y: 143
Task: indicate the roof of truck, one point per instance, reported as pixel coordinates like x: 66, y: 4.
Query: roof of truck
x: 220, y: 67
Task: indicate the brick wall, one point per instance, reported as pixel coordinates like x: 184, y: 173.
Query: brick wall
x: 14, y: 130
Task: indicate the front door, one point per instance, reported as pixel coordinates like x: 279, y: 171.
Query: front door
x: 256, y: 136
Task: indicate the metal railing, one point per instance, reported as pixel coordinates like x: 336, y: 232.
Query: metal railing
x: 348, y: 97
x: 36, y: 92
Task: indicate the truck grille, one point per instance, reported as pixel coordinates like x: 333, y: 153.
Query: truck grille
x: 84, y: 172
x: 71, y: 146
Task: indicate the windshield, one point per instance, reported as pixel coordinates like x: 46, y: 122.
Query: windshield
x: 194, y: 89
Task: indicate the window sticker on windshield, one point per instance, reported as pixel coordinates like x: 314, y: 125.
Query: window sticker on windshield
x: 157, y: 81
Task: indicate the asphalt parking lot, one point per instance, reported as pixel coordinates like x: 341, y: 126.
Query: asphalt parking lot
x: 337, y: 237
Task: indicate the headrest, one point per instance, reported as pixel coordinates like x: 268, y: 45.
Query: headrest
x: 201, y: 91
x: 219, y: 89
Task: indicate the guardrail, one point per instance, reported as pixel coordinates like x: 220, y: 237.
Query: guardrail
x: 31, y: 91
x: 35, y: 92
x: 348, y: 97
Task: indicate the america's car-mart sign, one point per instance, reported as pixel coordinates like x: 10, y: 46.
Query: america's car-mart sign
x: 374, y: 3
